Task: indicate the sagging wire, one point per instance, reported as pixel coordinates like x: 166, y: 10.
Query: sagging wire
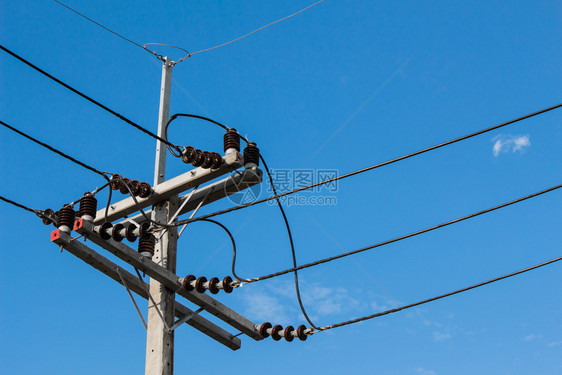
x: 285, y: 220
x: 378, y: 165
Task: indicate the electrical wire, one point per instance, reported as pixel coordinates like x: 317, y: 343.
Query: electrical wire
x: 51, y: 148
x: 252, y: 32
x: 111, y: 31
x: 285, y: 220
x: 175, y: 116
x: 386, y: 312
x: 413, y: 234
x: 39, y: 213
x: 435, y: 147
x: 121, y: 117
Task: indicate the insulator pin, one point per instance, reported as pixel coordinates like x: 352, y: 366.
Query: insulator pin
x: 145, y: 190
x: 217, y: 160
x: 65, y: 219
x: 231, y: 141
x: 188, y: 154
x: 115, y: 182
x: 251, y: 155
x: 226, y: 284
x: 104, y: 230
x: 88, y: 206
x: 146, y: 246
x: 49, y: 217
x: 118, y: 232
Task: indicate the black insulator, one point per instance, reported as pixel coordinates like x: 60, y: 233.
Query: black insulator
x: 188, y: 154
x: 88, y: 205
x: 116, y: 233
x: 200, y: 284
x: 227, y: 284
x: 146, y: 246
x: 144, y: 230
x: 66, y: 217
x: 301, y: 333
x: 135, y: 187
x: 104, y: 230
x: 213, y: 285
x: 124, y: 188
x: 49, y: 216
x: 115, y: 182
x: 199, y: 158
x: 231, y: 139
x: 217, y: 160
x: 275, y: 332
x: 130, y: 232
x: 288, y: 333
x: 252, y: 154
x: 187, y: 282
x: 145, y: 190
x: 262, y: 329
x: 208, y: 160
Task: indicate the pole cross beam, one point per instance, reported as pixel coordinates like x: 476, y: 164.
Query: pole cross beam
x: 169, y: 279
x: 104, y: 265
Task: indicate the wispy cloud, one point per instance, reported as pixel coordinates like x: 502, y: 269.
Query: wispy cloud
x: 276, y: 301
x: 505, y: 143
x: 424, y: 371
x: 531, y: 337
x: 554, y: 343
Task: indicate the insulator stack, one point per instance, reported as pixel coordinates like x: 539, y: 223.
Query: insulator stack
x: 88, y: 206
x: 49, y: 217
x: 277, y: 332
x: 146, y: 246
x: 251, y: 155
x: 120, y: 231
x: 65, y: 220
x: 231, y: 141
x: 127, y: 186
x: 201, y: 284
x: 200, y: 158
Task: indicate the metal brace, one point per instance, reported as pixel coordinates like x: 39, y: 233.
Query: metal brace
x: 178, y: 211
x: 132, y: 298
x: 196, y: 209
x: 152, y: 299
x: 184, y: 319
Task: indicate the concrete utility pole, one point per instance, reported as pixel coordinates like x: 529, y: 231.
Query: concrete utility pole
x: 159, y: 339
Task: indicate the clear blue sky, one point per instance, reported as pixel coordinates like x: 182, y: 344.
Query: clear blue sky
x: 393, y: 77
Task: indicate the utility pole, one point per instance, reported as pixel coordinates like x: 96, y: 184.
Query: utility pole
x: 159, y: 339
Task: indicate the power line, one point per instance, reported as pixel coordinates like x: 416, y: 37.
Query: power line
x: 103, y: 27
x: 285, y: 220
x: 51, y: 148
x: 439, y: 297
x: 255, y: 31
x: 326, y: 260
x: 39, y: 213
x: 483, y: 131
x: 121, y: 117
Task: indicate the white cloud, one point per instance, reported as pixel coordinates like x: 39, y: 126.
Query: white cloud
x: 510, y: 143
x: 424, y: 371
x: 441, y: 336
x: 555, y: 343
x: 263, y: 306
x: 532, y: 337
